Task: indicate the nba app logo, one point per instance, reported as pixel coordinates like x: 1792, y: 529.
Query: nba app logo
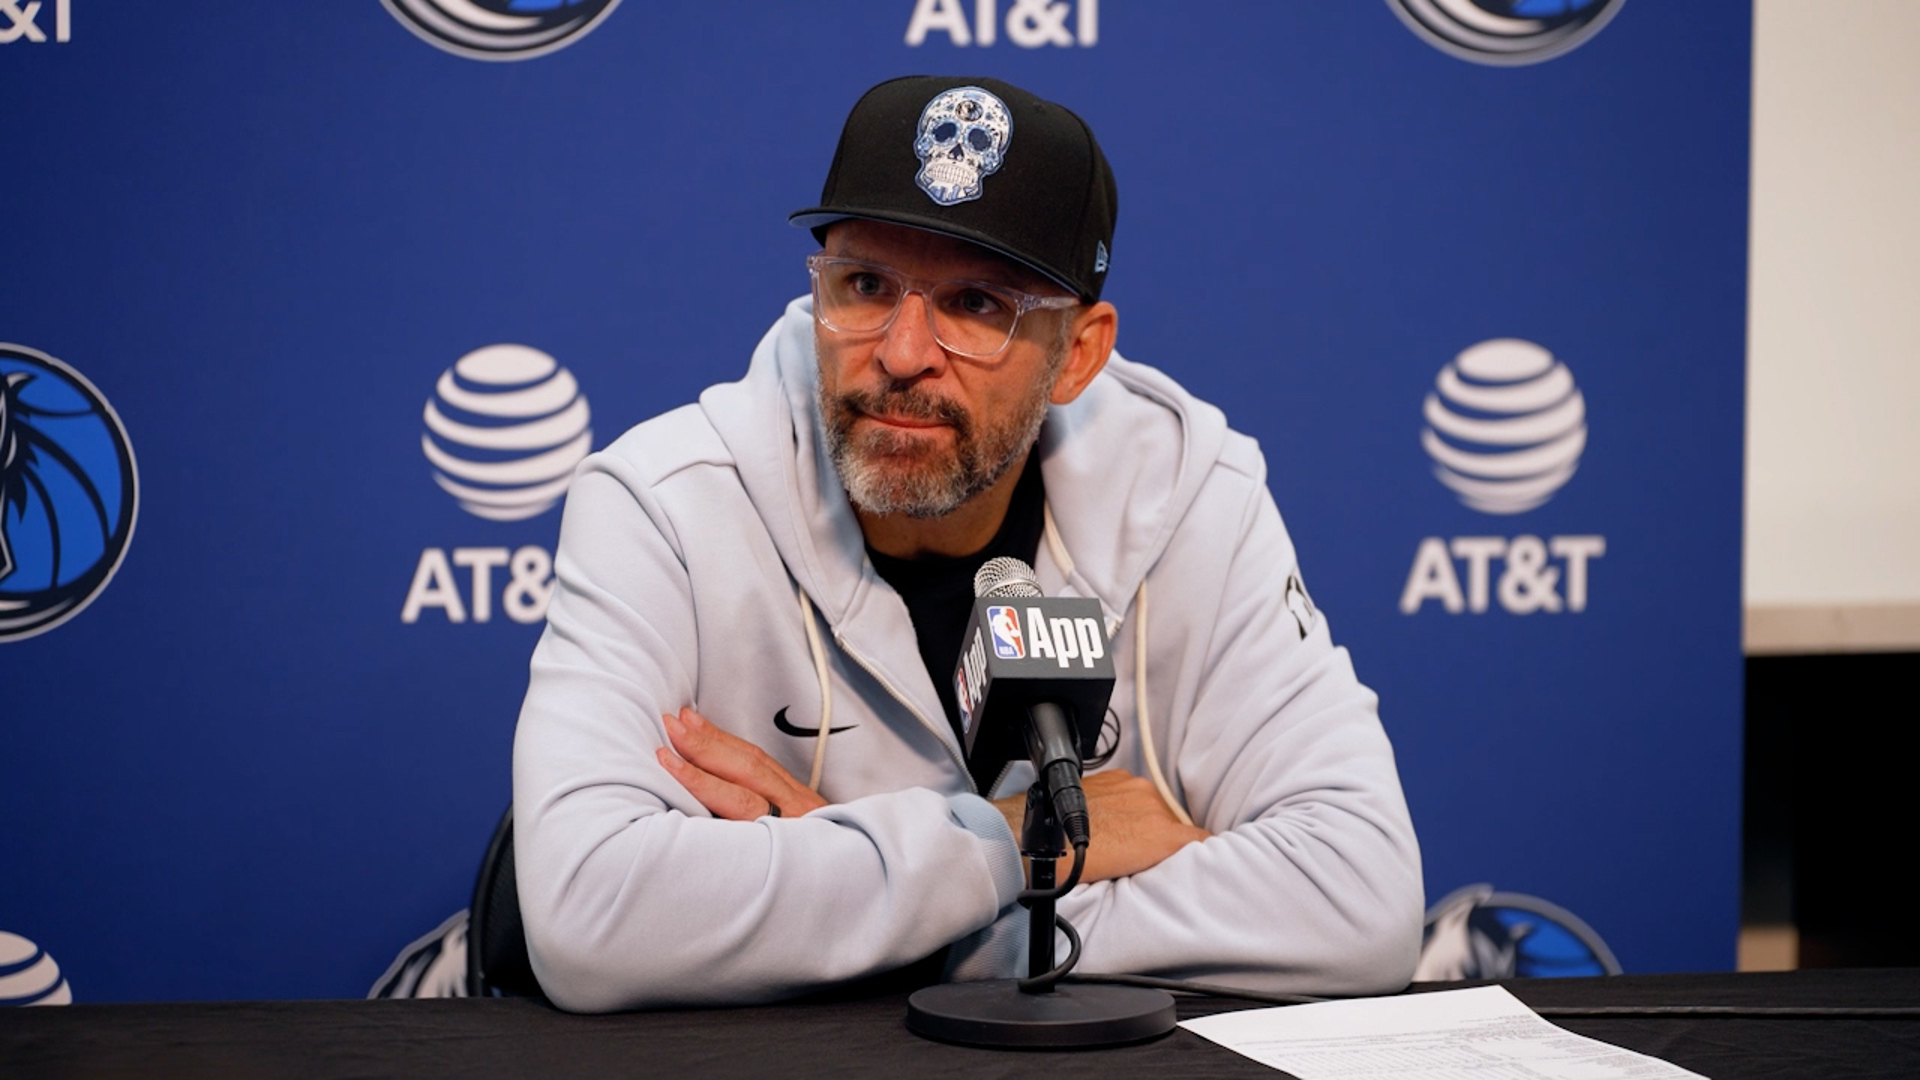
x: 1004, y: 622
x: 68, y: 492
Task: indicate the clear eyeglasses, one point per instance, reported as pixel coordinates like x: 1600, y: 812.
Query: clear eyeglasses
x: 971, y: 318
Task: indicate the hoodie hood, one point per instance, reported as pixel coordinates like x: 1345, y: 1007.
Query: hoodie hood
x: 1114, y: 515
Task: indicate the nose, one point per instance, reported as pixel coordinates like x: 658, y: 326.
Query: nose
x: 908, y: 348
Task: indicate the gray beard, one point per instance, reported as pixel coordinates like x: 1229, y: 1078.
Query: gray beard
x: 888, y: 472
x: 880, y: 470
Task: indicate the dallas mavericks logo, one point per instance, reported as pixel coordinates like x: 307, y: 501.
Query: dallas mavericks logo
x: 505, y: 426
x: 1477, y: 932
x: 68, y: 492
x: 1505, y: 426
x: 1506, y: 33
x: 500, y: 29
x: 961, y: 140
x: 28, y: 976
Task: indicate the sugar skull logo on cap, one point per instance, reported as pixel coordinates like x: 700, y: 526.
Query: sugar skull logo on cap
x: 961, y: 140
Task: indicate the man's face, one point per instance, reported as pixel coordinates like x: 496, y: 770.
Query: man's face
x: 913, y: 428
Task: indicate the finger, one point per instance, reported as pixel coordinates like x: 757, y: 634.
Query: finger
x: 731, y: 758
x: 706, y: 745
x: 719, y: 752
x: 728, y: 757
x: 722, y: 799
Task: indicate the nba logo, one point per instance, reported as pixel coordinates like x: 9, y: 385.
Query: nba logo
x: 1004, y: 622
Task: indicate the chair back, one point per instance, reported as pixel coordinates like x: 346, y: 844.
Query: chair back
x: 497, y: 963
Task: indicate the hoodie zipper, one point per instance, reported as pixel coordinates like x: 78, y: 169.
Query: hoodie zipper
x: 959, y: 762
x: 1005, y: 770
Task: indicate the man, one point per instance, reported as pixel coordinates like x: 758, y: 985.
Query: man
x: 739, y: 774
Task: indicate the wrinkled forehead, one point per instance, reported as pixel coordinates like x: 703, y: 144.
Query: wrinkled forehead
x: 934, y: 256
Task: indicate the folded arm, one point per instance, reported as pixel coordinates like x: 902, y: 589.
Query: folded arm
x: 1310, y: 880
x: 633, y: 893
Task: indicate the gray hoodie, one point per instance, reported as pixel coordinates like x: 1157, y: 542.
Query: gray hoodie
x: 709, y: 557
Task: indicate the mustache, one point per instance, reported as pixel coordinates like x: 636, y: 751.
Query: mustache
x: 906, y: 403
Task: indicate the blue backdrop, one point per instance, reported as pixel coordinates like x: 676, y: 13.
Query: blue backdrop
x: 264, y: 231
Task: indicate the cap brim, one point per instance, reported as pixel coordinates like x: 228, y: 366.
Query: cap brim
x: 818, y: 217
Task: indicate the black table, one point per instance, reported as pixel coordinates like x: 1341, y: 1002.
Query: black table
x: 1784, y: 1025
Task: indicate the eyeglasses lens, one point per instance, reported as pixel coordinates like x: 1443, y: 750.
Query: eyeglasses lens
x: 967, y: 319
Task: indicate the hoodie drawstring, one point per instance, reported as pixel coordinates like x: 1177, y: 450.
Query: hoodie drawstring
x: 826, y: 692
x: 1060, y: 557
x: 1140, y: 706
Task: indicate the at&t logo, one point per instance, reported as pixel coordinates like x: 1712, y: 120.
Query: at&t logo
x: 525, y: 588
x: 1030, y: 24
x: 28, y: 976
x: 20, y: 21
x: 1505, y: 428
x: 1505, y: 33
x: 69, y: 492
x: 504, y: 429
x: 1534, y: 575
x: 505, y: 426
x: 499, y: 29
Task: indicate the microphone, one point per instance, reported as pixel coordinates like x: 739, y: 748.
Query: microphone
x: 1037, y: 666
x: 1034, y: 677
x: 1005, y: 576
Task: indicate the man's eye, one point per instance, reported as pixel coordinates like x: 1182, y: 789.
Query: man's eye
x: 866, y: 283
x: 976, y: 302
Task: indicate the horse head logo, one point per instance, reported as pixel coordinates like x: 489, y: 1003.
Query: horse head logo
x: 68, y: 492
x: 1477, y: 932
x: 12, y: 461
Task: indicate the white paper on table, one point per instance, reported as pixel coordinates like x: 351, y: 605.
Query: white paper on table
x: 1479, y: 1034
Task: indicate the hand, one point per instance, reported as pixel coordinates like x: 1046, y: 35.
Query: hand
x: 1132, y: 828
x: 731, y: 777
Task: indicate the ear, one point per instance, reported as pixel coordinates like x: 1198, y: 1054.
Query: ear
x: 1089, y: 343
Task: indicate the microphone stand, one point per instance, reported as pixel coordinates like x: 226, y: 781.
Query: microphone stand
x: 1042, y: 840
x: 1036, y: 1013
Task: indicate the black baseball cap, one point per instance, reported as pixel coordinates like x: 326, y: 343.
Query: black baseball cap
x: 981, y: 160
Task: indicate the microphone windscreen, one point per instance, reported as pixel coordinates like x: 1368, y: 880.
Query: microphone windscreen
x: 1005, y: 576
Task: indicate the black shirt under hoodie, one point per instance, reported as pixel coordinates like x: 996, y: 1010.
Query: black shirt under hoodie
x: 938, y: 590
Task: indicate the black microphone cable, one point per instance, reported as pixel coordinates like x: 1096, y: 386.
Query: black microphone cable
x: 1044, y: 982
